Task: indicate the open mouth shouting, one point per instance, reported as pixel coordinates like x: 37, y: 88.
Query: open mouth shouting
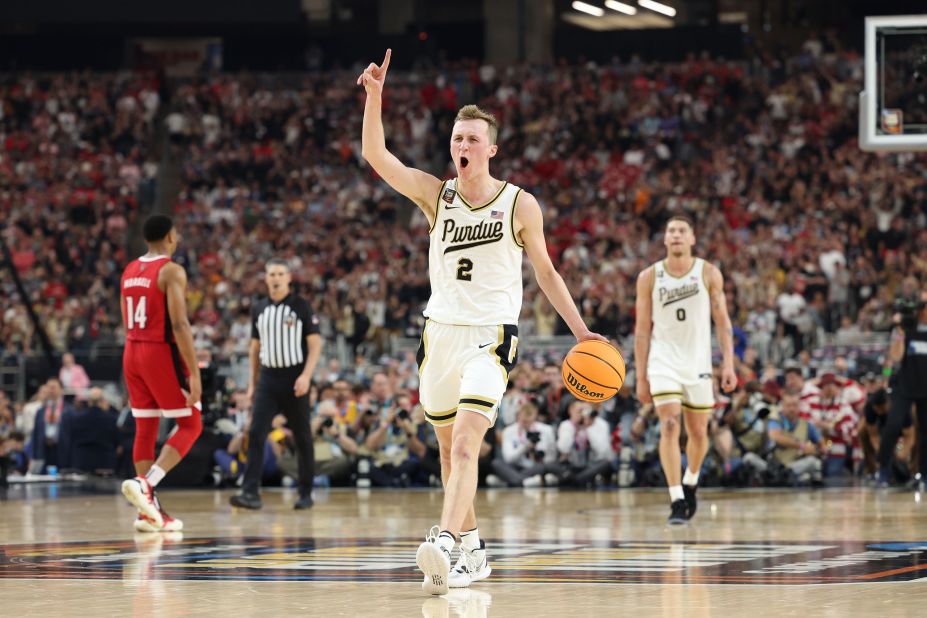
x: 464, y: 162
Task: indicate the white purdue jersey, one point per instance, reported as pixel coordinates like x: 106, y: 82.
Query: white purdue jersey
x: 680, y: 343
x: 474, y: 260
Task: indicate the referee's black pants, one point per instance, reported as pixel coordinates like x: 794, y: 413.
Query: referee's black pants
x: 274, y: 395
x: 894, y: 425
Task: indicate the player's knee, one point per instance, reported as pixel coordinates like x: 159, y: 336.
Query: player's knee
x: 462, y: 449
x: 445, y: 456
x: 188, y: 430
x: 194, y: 423
x: 669, y: 425
x: 697, y: 433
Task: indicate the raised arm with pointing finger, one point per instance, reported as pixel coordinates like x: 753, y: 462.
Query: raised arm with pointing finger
x: 420, y: 187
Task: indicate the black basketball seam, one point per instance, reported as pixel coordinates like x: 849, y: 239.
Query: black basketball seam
x: 620, y: 355
x: 589, y: 379
x: 615, y: 369
x: 602, y: 359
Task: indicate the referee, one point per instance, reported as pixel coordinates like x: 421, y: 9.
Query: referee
x: 285, y: 347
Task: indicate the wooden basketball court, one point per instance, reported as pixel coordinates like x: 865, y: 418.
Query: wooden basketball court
x: 553, y: 553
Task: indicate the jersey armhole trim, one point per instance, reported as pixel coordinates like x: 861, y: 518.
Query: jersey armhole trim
x: 437, y: 207
x: 705, y: 278
x: 653, y: 278
x: 512, y: 221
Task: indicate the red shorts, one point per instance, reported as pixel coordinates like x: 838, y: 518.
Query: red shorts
x: 157, y: 379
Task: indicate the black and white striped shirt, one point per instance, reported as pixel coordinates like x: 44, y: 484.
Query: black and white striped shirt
x: 282, y: 329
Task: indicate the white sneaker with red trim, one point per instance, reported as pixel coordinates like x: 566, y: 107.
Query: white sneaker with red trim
x: 143, y: 523
x: 141, y: 495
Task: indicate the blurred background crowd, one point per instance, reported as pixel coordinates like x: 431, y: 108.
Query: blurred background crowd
x: 816, y: 239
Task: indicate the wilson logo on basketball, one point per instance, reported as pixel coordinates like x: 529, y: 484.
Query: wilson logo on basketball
x: 581, y: 388
x: 595, y: 365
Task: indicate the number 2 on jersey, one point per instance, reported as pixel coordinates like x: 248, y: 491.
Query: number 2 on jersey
x: 464, y: 266
x: 138, y: 317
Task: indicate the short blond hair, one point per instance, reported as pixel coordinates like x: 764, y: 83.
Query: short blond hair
x: 472, y: 112
x: 527, y: 408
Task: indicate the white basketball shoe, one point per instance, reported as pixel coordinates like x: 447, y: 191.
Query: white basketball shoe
x: 141, y: 495
x: 143, y: 523
x: 435, y: 562
x: 471, y: 567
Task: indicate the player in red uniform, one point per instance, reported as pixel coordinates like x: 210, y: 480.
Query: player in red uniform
x: 160, y: 368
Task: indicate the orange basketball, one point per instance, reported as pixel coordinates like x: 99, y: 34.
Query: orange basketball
x: 593, y: 371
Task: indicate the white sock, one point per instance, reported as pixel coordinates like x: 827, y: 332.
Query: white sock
x: 155, y: 474
x: 676, y: 493
x: 446, y: 541
x: 470, y: 540
x: 690, y: 478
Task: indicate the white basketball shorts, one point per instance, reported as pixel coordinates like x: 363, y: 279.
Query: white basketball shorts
x: 464, y: 368
x: 695, y: 396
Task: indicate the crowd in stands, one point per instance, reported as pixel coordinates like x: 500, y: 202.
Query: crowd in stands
x: 369, y: 430
x: 815, y: 238
x: 73, y: 163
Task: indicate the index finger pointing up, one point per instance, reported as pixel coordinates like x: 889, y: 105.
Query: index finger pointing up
x: 385, y: 65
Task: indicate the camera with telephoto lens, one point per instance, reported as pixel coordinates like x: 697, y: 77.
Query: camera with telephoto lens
x: 534, y: 437
x: 402, y: 415
x: 761, y: 410
x: 757, y: 403
x: 328, y: 423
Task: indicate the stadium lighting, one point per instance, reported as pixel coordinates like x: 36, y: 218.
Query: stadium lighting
x: 657, y: 7
x: 588, y: 8
x: 621, y: 7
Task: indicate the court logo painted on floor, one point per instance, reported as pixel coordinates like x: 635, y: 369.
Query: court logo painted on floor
x: 172, y: 557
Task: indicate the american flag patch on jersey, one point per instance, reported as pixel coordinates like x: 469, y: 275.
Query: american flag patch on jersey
x: 496, y: 214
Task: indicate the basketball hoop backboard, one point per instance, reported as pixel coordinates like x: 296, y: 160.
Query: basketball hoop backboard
x: 893, y: 104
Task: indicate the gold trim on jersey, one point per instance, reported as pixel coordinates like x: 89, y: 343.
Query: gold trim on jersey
x: 696, y: 408
x: 500, y: 339
x: 487, y: 204
x: 477, y: 403
x: 421, y: 367
x: 705, y: 277
x: 686, y: 274
x: 665, y: 394
x: 441, y: 419
x: 512, y: 220
x: 437, y: 207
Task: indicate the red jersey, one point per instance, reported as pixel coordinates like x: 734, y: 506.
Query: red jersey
x: 147, y: 316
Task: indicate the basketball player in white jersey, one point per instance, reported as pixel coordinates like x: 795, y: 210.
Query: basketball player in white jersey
x: 676, y: 300
x: 478, y: 226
